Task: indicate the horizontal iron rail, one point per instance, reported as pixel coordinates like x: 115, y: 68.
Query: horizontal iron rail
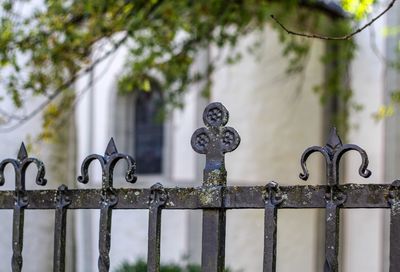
x: 235, y: 197
x: 214, y: 197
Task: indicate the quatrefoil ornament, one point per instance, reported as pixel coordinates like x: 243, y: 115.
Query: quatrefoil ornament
x: 333, y: 152
x: 215, y: 139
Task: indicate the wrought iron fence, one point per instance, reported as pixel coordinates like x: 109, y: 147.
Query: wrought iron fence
x: 214, y: 197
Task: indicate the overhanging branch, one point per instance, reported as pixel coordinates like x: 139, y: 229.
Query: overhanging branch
x: 344, y: 37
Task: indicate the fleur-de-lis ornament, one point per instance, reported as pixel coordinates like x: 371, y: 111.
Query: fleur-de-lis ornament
x: 21, y: 200
x: 108, y: 196
x: 20, y: 165
x: 333, y: 152
x: 107, y: 163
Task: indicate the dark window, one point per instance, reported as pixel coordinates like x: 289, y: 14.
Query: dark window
x: 149, y: 132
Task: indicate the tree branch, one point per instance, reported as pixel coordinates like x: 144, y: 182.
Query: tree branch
x: 62, y: 87
x: 329, y: 38
x: 76, y: 76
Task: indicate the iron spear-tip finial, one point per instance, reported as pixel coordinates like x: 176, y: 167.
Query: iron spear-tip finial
x: 334, y: 140
x: 22, y: 153
x: 111, y: 148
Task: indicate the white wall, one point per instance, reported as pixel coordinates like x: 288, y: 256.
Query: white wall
x: 363, y: 236
x: 38, y: 224
x: 97, y: 113
x: 277, y: 121
x: 38, y: 229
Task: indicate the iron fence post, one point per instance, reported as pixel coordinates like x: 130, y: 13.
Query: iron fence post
x: 109, y: 197
x: 333, y: 152
x: 21, y: 200
x: 273, y: 199
x: 214, y: 141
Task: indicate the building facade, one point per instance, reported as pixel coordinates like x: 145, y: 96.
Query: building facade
x: 277, y: 116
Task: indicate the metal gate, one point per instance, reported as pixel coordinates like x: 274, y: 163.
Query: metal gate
x: 214, y: 197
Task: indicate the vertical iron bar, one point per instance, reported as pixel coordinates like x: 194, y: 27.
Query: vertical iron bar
x: 331, y: 237
x: 153, y: 254
x: 214, y: 227
x: 20, y: 199
x: 272, y: 200
x: 270, y: 223
x: 333, y: 151
x: 17, y: 238
x: 105, y: 234
x: 334, y: 198
x: 158, y: 198
x: 395, y: 238
x: 108, y: 196
x: 62, y: 201
x: 394, y: 200
x: 59, y: 239
x: 213, y: 241
x: 214, y: 140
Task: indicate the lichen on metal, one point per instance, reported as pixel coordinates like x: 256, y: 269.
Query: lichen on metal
x: 214, y: 197
x: 333, y: 152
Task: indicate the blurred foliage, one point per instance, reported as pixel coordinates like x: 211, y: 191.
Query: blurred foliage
x: 141, y: 266
x: 360, y: 8
x: 45, y: 49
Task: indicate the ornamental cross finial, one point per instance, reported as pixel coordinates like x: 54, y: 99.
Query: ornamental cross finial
x: 215, y: 140
x: 333, y: 152
x: 20, y: 165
